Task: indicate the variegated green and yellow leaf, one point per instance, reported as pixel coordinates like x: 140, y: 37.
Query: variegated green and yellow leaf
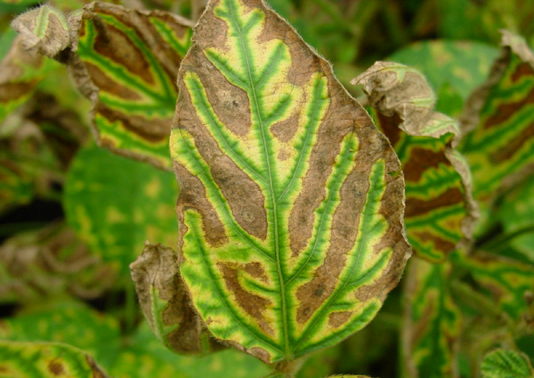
x: 290, y: 206
x: 165, y: 302
x: 432, y: 322
x: 440, y: 211
x: 506, y: 363
x: 46, y: 360
x: 500, y: 148
x: 116, y: 204
x: 508, y: 283
x: 128, y: 61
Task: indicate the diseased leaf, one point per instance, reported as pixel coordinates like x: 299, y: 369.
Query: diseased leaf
x: 50, y: 262
x: 67, y: 322
x: 291, y: 202
x: 509, y: 283
x: 43, y: 360
x: 44, y: 30
x: 505, y: 363
x: 126, y: 64
x: 440, y: 211
x: 432, y: 322
x: 145, y: 356
x: 165, y: 301
x: 500, y: 148
x: 115, y: 204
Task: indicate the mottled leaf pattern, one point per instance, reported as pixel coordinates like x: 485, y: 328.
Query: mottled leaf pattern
x: 500, y: 149
x: 506, y: 363
x: 128, y: 61
x: 439, y: 209
x: 165, y: 301
x: 46, y: 360
x: 432, y: 322
x: 290, y: 200
x: 116, y: 204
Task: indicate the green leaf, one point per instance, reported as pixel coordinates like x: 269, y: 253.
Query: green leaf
x: 145, y: 356
x: 505, y: 363
x: 116, y: 204
x: 291, y: 201
x: 127, y: 66
x: 461, y: 65
x: 16, y: 186
x: 67, y: 322
x: 500, y: 148
x: 432, y: 322
x: 439, y: 207
x: 42, y: 360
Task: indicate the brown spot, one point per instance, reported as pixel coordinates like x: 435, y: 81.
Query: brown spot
x: 12, y: 91
x: 286, y: 129
x: 415, y: 206
x: 261, y: 354
x: 56, y: 368
x: 255, y: 269
x: 524, y: 69
x: 507, y: 110
x: 252, y: 304
x: 390, y: 127
x: 513, y: 146
x: 422, y: 159
x: 337, y: 319
x: 106, y: 83
x: 440, y: 244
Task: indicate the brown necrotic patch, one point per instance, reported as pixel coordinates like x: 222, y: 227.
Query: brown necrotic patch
x: 253, y: 304
x: 390, y: 127
x: 337, y: 319
x: 505, y: 111
x: 514, y: 146
x: 56, y: 368
x: 255, y: 269
x: 421, y: 160
x: 107, y: 84
x: 416, y: 207
x: 522, y: 70
x: 438, y: 243
x: 116, y: 46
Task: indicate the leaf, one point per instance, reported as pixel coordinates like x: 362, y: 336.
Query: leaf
x: 432, y: 322
x: 500, y: 148
x: 165, y: 301
x: 49, y: 262
x: 463, y: 65
x: 126, y: 64
x: 67, y: 322
x: 509, y: 283
x: 440, y: 212
x: 115, y: 204
x: 44, y: 30
x: 290, y: 206
x: 43, y: 360
x: 145, y: 356
x: 15, y: 185
x: 505, y: 363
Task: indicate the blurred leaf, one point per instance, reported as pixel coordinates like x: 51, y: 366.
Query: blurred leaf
x: 47, y: 263
x: 46, y: 360
x: 144, y: 356
x: 16, y: 185
x: 432, y: 322
x: 440, y: 211
x: 126, y: 64
x: 116, y: 204
x: 67, y: 322
x: 500, y: 148
x: 321, y: 363
x: 505, y: 363
x: 461, y: 65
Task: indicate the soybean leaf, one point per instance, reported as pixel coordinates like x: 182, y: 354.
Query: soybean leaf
x: 165, y: 301
x: 115, y: 204
x: 432, y: 322
x: 126, y: 64
x: 500, y: 148
x: 505, y: 363
x: 290, y: 206
x: 440, y: 211
x: 67, y: 322
x: 26, y: 360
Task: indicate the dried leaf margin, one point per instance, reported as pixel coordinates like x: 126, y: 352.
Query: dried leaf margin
x: 440, y: 210
x: 252, y: 123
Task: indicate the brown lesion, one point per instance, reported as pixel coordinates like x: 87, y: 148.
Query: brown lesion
x: 505, y: 111
x: 389, y: 125
x: 522, y: 70
x: 56, y: 368
x: 107, y: 84
x: 337, y: 319
x: 416, y: 207
x: 421, y: 160
x: 438, y: 243
x: 513, y: 146
x: 253, y: 304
